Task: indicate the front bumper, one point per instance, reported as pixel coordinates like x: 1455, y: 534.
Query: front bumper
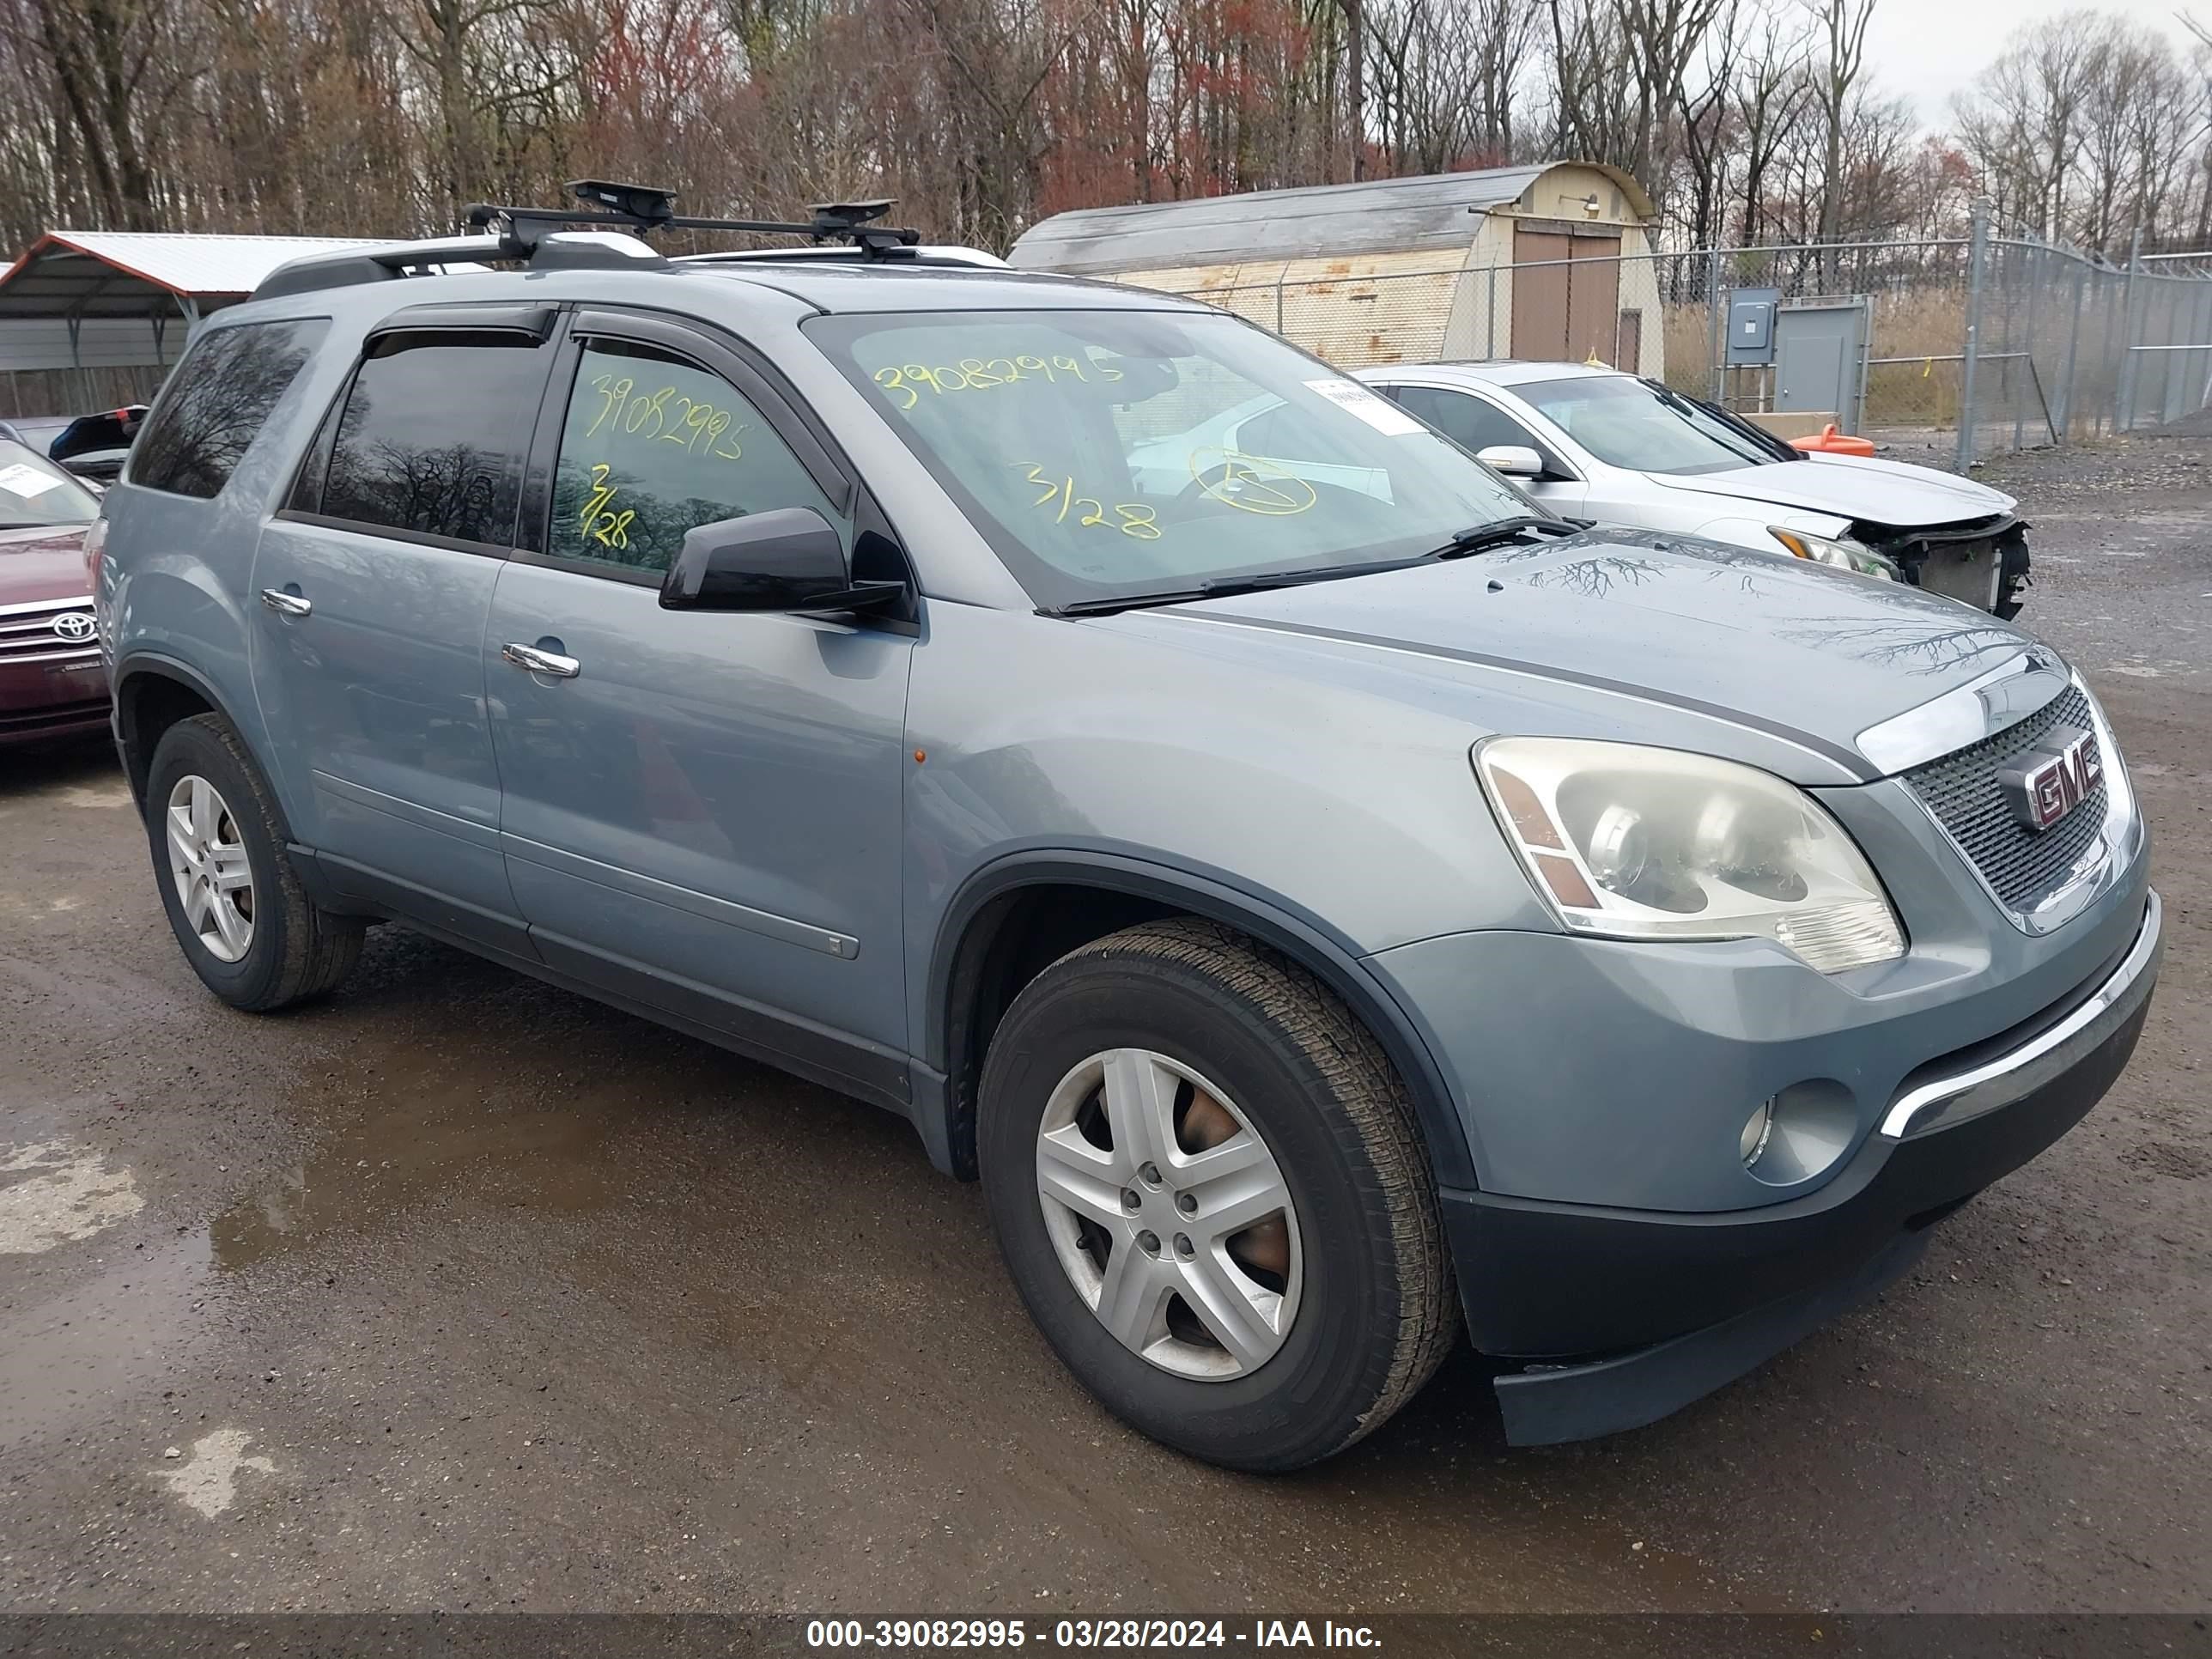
x: 52, y: 696
x: 1695, y: 1299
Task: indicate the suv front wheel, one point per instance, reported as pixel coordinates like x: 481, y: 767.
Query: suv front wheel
x: 233, y: 898
x: 1209, y: 1190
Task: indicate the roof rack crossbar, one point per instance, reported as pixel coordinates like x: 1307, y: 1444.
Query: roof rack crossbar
x: 644, y: 208
x: 524, y: 234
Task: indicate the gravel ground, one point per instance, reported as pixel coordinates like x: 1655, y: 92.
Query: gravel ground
x: 461, y: 1293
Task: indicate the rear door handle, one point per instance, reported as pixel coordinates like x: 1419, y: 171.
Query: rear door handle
x: 541, y: 662
x: 286, y: 605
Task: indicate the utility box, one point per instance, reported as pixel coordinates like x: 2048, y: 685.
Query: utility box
x: 1820, y: 357
x: 1751, y: 314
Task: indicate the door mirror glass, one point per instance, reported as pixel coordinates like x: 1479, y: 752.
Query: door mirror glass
x: 1514, y: 460
x: 790, y: 558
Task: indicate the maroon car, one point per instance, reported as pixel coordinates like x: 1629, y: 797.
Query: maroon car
x: 52, y: 682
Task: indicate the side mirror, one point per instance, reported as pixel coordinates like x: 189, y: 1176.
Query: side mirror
x: 1514, y: 460
x: 789, y: 559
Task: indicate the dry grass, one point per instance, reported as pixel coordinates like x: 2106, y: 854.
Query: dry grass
x: 1928, y: 326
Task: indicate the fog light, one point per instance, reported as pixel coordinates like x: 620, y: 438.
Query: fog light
x: 1801, y: 1132
x: 1756, y: 1130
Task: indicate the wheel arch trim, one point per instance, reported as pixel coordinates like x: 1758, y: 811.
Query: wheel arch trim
x: 139, y: 665
x: 1306, y: 939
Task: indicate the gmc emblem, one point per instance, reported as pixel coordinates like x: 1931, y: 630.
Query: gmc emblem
x: 2050, y: 780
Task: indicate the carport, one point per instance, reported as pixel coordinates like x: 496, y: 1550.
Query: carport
x: 89, y: 318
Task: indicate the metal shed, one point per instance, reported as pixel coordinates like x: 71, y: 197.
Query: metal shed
x: 1549, y: 260
x: 90, y: 317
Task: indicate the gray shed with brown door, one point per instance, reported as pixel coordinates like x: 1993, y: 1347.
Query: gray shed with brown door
x: 1545, y: 261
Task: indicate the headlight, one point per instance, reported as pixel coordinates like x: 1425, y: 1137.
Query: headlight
x: 1630, y: 842
x: 1842, y: 552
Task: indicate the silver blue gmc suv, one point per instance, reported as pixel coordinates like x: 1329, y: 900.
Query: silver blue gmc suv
x: 1323, y: 898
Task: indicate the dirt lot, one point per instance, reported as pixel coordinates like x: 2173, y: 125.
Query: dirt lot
x: 458, y: 1292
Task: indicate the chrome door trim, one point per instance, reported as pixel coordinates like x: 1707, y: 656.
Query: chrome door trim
x: 286, y: 605
x: 705, y: 905
x: 2018, y: 1073
x: 428, y: 818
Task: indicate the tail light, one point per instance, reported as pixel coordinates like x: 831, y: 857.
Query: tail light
x: 95, y: 547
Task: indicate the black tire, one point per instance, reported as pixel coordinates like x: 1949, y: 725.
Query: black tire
x: 297, y: 952
x: 1378, y: 1311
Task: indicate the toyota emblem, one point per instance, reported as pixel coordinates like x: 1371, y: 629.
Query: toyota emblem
x: 74, y: 626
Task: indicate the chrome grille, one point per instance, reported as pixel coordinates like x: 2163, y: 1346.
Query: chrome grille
x: 26, y: 633
x: 2020, y: 864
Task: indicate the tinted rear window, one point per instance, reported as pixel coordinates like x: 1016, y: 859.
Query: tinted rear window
x: 433, y: 436
x: 217, y: 402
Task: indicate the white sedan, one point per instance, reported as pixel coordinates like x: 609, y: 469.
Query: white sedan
x: 1593, y: 443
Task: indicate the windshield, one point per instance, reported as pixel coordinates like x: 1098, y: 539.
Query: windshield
x: 34, y: 491
x: 1629, y: 422
x: 1111, y: 454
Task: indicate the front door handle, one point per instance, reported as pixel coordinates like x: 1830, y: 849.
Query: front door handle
x: 541, y: 662
x: 286, y: 605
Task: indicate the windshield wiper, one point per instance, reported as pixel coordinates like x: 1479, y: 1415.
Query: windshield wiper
x: 1319, y: 573
x: 1771, y: 448
x: 1471, y: 540
x: 1107, y: 607
x: 1475, y: 538
x: 1221, y: 587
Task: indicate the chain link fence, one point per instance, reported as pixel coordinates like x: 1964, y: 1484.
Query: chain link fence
x: 1968, y: 345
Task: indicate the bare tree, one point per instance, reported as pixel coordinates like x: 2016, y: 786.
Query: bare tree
x: 1839, y: 61
x: 1765, y: 105
x: 110, y: 70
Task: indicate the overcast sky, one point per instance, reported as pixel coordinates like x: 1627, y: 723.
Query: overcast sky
x: 1928, y: 49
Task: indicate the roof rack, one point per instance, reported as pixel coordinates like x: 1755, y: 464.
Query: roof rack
x: 644, y: 209
x: 610, y: 235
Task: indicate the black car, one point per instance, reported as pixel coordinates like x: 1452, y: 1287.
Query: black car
x: 91, y: 445
x: 95, y: 445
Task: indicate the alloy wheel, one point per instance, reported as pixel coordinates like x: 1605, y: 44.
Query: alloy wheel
x: 208, y: 861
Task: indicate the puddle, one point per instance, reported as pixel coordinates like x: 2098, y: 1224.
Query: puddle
x: 422, y: 1128
x: 77, y: 1349
x: 62, y: 1192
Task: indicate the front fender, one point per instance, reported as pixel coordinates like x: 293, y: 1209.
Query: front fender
x: 1218, y: 895
x: 1330, y: 822
x: 1356, y: 811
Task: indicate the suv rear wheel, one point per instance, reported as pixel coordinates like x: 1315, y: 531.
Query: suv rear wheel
x: 1209, y: 1189
x: 234, y: 899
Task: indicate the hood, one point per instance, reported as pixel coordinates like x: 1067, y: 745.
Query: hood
x: 1802, y: 652
x: 1890, y: 492
x: 45, y: 563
